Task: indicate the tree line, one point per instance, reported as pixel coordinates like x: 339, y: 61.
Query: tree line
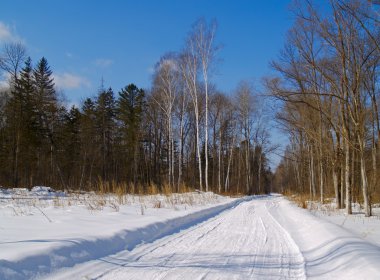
x: 329, y: 87
x: 178, y: 134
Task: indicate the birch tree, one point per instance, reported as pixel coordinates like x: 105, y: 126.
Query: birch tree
x: 166, y: 87
x: 202, y: 45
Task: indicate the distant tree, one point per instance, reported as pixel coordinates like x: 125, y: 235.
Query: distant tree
x: 245, y: 109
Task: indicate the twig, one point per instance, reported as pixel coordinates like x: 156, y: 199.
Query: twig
x: 43, y: 214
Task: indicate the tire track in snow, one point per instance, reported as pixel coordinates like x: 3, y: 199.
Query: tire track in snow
x: 290, y: 241
x: 107, y: 264
x: 245, y: 242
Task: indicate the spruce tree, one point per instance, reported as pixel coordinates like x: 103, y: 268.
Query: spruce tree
x: 130, y: 112
x: 67, y: 139
x: 105, y: 120
x: 45, y: 96
x: 20, y: 125
x: 47, y: 111
x: 88, y: 139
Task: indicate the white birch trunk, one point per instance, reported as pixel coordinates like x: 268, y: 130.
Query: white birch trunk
x: 206, y: 130
x: 347, y: 178
x: 219, y: 160
x: 367, y: 206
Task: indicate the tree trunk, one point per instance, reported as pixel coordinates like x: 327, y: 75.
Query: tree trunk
x: 226, y: 184
x: 198, y: 148
x: 219, y: 160
x: 180, y: 154
x: 367, y: 206
x: 172, y: 159
x: 259, y: 173
x: 247, y: 165
x: 16, y: 157
x: 206, y: 134
x: 336, y: 187
x: 342, y: 184
x: 321, y: 172
x: 169, y: 157
x: 312, y: 172
x: 347, y: 178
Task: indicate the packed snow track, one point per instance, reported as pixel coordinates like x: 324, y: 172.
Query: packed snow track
x: 244, y: 242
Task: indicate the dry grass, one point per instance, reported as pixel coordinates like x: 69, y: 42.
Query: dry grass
x: 97, y: 203
x: 375, y: 197
x: 113, y: 195
x: 122, y: 189
x: 301, y: 200
x: 152, y: 189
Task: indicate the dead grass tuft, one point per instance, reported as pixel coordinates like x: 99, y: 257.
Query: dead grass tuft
x: 301, y: 200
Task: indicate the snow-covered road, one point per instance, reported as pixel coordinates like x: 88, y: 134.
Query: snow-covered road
x: 245, y: 242
x: 257, y: 237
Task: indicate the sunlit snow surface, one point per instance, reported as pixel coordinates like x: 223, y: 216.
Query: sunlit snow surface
x: 51, y: 235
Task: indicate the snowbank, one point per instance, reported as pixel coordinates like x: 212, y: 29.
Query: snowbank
x: 329, y: 250
x: 43, y: 237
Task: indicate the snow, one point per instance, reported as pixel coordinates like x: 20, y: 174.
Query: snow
x: 42, y: 230
x: 53, y: 235
x: 330, y: 251
x: 366, y: 228
x: 242, y: 242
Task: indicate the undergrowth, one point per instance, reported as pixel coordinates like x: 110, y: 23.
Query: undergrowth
x: 301, y: 200
x: 113, y: 196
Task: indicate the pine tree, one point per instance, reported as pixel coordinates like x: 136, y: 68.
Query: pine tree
x: 45, y: 106
x: 88, y: 139
x: 20, y: 124
x: 45, y: 96
x: 67, y: 138
x: 130, y: 112
x: 105, y: 121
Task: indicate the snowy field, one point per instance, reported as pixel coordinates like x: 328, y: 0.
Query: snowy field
x: 51, y: 235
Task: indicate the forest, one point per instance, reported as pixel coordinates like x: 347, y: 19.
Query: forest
x: 328, y: 83
x: 179, y: 134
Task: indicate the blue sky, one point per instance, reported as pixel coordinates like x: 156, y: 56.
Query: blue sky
x: 121, y: 40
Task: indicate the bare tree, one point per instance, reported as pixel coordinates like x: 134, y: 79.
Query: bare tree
x: 329, y: 66
x: 202, y: 42
x: 166, y: 86
x: 189, y: 66
x: 182, y: 111
x: 12, y: 58
x: 245, y: 107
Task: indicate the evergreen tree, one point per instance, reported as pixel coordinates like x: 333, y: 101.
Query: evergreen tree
x: 45, y: 96
x: 130, y: 112
x: 105, y: 120
x: 88, y: 139
x: 47, y: 111
x: 20, y: 125
x: 68, y: 139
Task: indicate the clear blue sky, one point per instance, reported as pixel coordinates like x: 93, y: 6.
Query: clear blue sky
x: 121, y: 40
